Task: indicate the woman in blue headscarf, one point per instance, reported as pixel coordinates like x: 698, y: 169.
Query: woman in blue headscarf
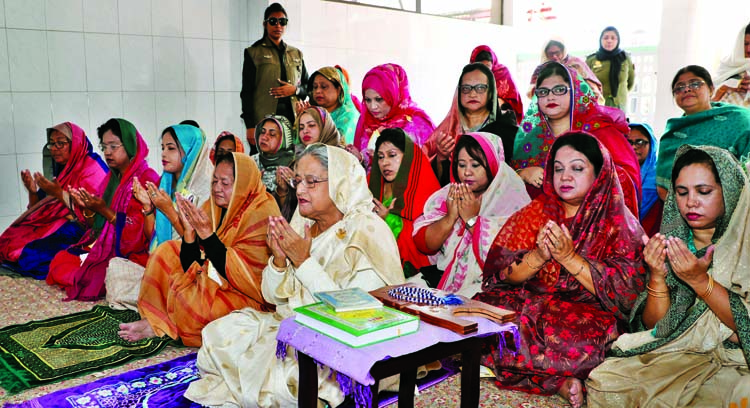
x: 645, y: 145
x: 187, y: 170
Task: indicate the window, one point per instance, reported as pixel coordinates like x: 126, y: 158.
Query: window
x: 472, y: 10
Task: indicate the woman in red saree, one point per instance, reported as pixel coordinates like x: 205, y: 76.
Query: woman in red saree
x: 50, y: 224
x: 507, y: 92
x: 401, y: 181
x: 564, y: 102
x: 571, y: 265
x: 118, y: 228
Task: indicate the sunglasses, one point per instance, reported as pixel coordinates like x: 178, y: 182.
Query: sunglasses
x: 276, y: 21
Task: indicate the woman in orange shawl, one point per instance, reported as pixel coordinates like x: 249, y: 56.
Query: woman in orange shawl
x: 181, y: 292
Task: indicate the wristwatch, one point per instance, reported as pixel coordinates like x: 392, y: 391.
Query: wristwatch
x: 471, y: 221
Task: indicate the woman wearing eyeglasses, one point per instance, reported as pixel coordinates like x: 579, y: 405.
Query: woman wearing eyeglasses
x: 51, y: 223
x: 273, y: 74
x: 475, y: 108
x: 704, y: 123
x: 563, y: 101
x: 333, y: 242
x: 645, y: 145
x: 117, y: 219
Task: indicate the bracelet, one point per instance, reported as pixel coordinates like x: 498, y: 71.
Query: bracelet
x: 88, y: 216
x: 526, y: 260
x: 709, y: 288
x: 113, y: 219
x: 276, y: 268
x: 657, y: 293
x: 580, y: 269
x: 149, y: 212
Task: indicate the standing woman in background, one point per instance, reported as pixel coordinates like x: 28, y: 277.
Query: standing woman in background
x: 267, y: 89
x: 614, y: 68
x: 733, y: 79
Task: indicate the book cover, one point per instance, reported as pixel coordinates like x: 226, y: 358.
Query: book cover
x: 349, y: 299
x: 357, y: 328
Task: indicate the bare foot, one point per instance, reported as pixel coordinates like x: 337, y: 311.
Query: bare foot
x: 572, y: 390
x: 136, y: 331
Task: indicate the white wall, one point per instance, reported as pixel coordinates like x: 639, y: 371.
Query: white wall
x: 157, y: 62
x: 154, y: 62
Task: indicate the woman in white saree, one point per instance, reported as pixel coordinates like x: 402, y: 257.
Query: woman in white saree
x: 334, y: 241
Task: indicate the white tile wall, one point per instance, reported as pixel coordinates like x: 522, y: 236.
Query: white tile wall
x: 64, y: 15
x: 67, y: 56
x: 72, y: 107
x: 196, y: 18
x: 10, y: 204
x: 103, y: 62
x: 100, y: 16
x: 135, y: 16
x: 136, y: 52
x: 166, y: 17
x: 32, y: 162
x: 27, y: 14
x: 29, y: 69
x: 102, y: 107
x: 2, y: 14
x: 200, y: 107
x: 6, y: 123
x: 32, y: 114
x: 169, y: 61
x: 199, y: 72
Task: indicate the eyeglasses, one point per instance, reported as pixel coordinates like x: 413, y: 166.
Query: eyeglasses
x: 221, y: 152
x: 556, y: 90
x: 276, y: 21
x: 309, y: 181
x: 479, y: 88
x: 104, y: 147
x: 56, y: 145
x: 694, y: 85
x: 637, y: 143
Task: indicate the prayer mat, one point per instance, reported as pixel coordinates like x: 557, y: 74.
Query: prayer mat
x: 159, y: 385
x: 64, y: 347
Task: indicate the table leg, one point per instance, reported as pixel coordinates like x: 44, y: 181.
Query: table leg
x: 407, y: 382
x: 470, y: 374
x: 307, y: 396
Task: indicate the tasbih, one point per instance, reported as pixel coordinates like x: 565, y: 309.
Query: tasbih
x: 423, y: 296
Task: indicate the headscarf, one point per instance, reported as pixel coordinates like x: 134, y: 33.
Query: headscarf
x: 195, y: 177
x: 284, y: 154
x: 462, y: 255
x: 616, y: 57
x: 346, y: 115
x: 734, y: 63
x: 604, y: 232
x: 415, y: 182
x: 329, y: 134
x: 84, y: 168
x: 689, y: 321
x: 649, y: 195
x: 455, y: 122
x: 238, y: 146
x: 506, y: 88
x: 390, y: 81
x: 360, y: 228
x: 569, y: 61
x: 357, y: 103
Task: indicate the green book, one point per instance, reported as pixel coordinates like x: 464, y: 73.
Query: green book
x: 357, y: 328
x: 348, y: 300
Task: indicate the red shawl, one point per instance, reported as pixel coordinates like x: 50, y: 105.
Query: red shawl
x: 604, y: 232
x: 84, y: 169
x: 125, y: 239
x: 390, y: 81
x: 413, y: 185
x: 506, y: 88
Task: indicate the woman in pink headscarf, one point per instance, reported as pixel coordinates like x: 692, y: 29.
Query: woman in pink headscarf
x: 507, y: 92
x: 388, y: 104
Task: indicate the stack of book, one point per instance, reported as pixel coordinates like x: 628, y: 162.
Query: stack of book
x: 355, y: 318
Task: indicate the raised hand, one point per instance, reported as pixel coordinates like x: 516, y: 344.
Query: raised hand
x: 532, y: 175
x: 296, y: 248
x: 655, y: 255
x: 559, y: 241
x: 160, y: 198
x: 380, y: 209
x: 689, y: 268
x: 51, y: 187
x: 196, y: 217
x: 283, y: 175
x: 300, y: 106
x: 445, y: 145
x: 87, y: 200
x: 188, y: 234
x: 28, y: 181
x: 468, y: 204
x: 279, y: 256
x: 140, y: 193
x: 452, y: 202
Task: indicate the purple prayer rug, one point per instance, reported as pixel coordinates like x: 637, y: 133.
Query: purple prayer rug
x: 159, y: 385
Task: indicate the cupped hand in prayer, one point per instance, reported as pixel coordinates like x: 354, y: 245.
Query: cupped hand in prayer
x: 655, y: 255
x: 452, y: 202
x: 51, y: 187
x: 279, y: 256
x: 188, y: 233
x: 541, y: 246
x: 533, y: 176
x: 559, y: 241
x: 140, y: 193
x: 445, y: 145
x: 160, y: 198
x: 300, y: 106
x: 468, y: 203
x: 689, y: 268
x: 283, y: 175
x: 87, y: 200
x: 380, y: 209
x: 28, y: 181
x: 296, y: 248
x: 197, y: 218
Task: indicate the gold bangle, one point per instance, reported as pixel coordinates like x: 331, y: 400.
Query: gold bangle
x: 88, y: 216
x: 657, y: 293
x: 709, y: 288
x: 113, y: 219
x: 580, y: 269
x: 149, y: 212
x: 526, y: 260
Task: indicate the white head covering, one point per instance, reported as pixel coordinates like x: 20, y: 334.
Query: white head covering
x: 735, y: 62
